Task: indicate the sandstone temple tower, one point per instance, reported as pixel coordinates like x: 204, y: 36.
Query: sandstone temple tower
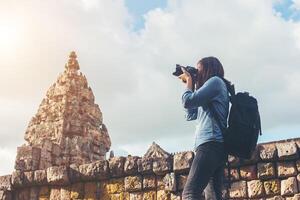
x: 68, y: 126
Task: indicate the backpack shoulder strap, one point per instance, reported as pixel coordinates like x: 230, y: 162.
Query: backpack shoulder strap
x: 231, y: 91
x: 230, y: 86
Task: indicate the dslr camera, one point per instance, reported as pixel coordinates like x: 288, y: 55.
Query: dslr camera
x: 192, y: 70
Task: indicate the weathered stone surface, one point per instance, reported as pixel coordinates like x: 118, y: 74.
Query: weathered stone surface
x: 160, y: 182
x: 5, y: 182
x: 56, y: 150
x: 248, y: 172
x: 40, y: 177
x: 149, y: 195
x: 182, y: 161
x: 17, y: 178
x: 145, y: 165
x: 28, y: 178
x: 94, y: 171
x: 175, y: 196
x: 44, y: 193
x: 287, y: 150
x: 255, y: 189
x: 115, y: 185
x: 136, y: 196
x: 28, y: 152
x: 77, y: 191
x: 289, y: 186
x: 65, y: 193
x: 267, y: 151
x: 155, y: 159
x: 155, y: 151
x: 28, y: 158
x: 116, y: 166
x: 133, y: 183
x: 238, y: 190
x: 286, y: 169
x: 298, y: 165
x: 46, y: 159
x: 74, y: 173
x: 170, y: 182
x: 233, y: 161
x: 298, y: 180
x: 162, y: 165
x: 131, y: 165
x: 265, y: 170
x: 90, y: 190
x: 57, y: 175
x: 295, y: 197
x: 54, y: 193
x: 272, y: 187
x: 22, y: 194
x: 181, y: 180
x: 149, y: 182
x: 5, y: 195
x: 120, y: 196
x: 234, y: 174
x: 163, y: 195
x: 34, y: 193
x: 276, y: 198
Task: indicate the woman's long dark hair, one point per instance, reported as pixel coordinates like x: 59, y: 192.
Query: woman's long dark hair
x: 209, y: 67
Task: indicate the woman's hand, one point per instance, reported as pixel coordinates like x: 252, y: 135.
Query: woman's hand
x: 185, y: 77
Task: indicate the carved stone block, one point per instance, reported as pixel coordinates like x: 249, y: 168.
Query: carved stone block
x: 57, y: 175
x: 183, y: 161
x: 133, y: 183
x: 116, y: 166
x: 289, y: 186
x: 287, y: 150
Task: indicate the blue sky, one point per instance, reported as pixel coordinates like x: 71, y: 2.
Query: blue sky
x: 138, y: 8
x: 286, y: 10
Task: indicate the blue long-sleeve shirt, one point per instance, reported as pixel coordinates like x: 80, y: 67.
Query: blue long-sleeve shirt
x: 195, y: 104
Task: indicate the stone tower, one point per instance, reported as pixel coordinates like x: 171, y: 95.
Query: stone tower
x: 68, y: 126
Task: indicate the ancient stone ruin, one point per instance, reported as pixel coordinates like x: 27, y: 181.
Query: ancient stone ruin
x: 64, y: 158
x: 68, y: 126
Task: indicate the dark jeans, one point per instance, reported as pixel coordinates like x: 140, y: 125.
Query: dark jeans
x: 208, y: 163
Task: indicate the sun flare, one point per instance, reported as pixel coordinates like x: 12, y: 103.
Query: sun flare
x: 9, y: 36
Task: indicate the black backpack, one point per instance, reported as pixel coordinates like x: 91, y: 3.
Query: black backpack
x: 244, y: 125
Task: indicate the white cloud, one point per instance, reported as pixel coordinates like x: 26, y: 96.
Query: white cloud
x: 7, y: 160
x: 296, y: 4
x: 130, y: 72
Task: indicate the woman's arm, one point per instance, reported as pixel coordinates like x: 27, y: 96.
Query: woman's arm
x: 191, y: 114
x: 202, y: 95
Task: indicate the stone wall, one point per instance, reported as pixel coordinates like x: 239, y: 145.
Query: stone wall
x: 272, y: 173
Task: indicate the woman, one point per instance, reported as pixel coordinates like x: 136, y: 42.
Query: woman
x: 210, y: 155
